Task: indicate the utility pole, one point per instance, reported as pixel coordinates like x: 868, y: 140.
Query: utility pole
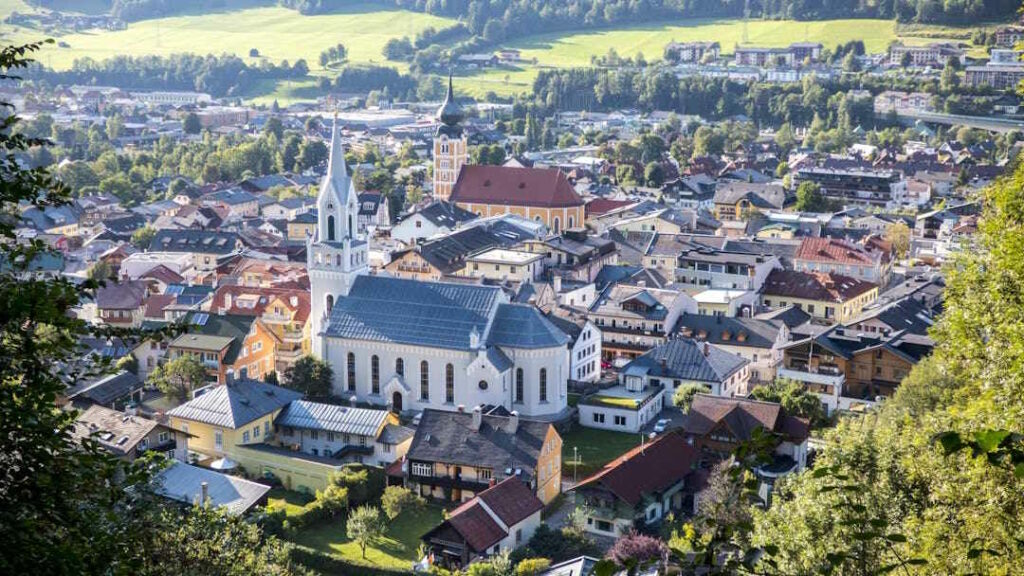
x: 575, y: 460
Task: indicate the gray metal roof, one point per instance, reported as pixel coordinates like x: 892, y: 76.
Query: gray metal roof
x: 332, y: 418
x: 434, y: 314
x: 183, y: 482
x: 236, y: 404
x: 523, y: 326
x: 684, y: 359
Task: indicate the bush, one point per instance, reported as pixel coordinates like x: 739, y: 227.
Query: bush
x: 556, y: 545
x: 365, y: 484
x: 397, y: 499
x: 532, y: 566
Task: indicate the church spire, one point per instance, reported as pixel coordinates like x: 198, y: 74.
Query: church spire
x: 336, y: 168
x: 450, y: 114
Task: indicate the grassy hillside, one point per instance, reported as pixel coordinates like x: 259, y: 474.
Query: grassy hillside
x: 278, y: 33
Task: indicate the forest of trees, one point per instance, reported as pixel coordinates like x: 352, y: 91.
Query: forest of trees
x: 224, y: 75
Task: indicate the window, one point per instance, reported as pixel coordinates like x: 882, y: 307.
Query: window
x: 218, y: 440
x: 330, y: 436
x: 483, y: 473
x: 424, y: 380
x: 519, y: 536
x: 266, y: 428
x: 375, y: 374
x: 421, y: 469
x: 482, y: 384
x: 256, y: 431
x: 519, y: 385
x: 386, y: 448
x: 400, y: 367
x: 620, y: 420
x: 330, y: 303
x: 163, y: 437
x: 314, y: 434
x: 543, y: 384
x: 330, y: 228
x: 351, y: 365
x: 245, y: 437
x: 599, y: 417
x: 449, y: 384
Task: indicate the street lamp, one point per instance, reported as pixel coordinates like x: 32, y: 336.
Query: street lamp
x: 575, y: 460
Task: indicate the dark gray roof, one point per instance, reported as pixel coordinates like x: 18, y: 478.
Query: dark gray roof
x: 730, y: 331
x: 684, y: 359
x: 107, y: 389
x: 449, y: 437
x: 907, y: 314
x: 395, y: 434
x: 201, y: 241
x: 433, y: 314
x: 791, y: 316
x: 523, y: 326
x: 446, y: 214
x: 121, y: 296
x: 498, y: 359
x: 236, y: 404
x: 332, y: 418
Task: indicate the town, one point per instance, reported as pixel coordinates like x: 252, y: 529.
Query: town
x: 627, y: 323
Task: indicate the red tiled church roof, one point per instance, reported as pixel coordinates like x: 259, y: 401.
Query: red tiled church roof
x: 508, y: 186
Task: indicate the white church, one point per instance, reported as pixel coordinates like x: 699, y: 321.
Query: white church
x: 410, y: 345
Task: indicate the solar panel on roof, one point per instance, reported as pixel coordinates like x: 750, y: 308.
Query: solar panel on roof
x: 200, y: 319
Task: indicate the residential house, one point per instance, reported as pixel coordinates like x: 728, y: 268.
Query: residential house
x: 584, y: 347
x: 456, y: 455
x: 502, y: 264
x: 738, y: 200
x: 205, y: 246
x: 438, y: 218
x: 834, y: 256
x: 935, y: 54
x: 884, y: 188
x: 831, y: 298
x: 498, y: 519
x: 346, y: 434
x: 239, y: 203
x: 687, y: 361
x: 575, y: 254
x: 223, y: 344
x: 373, y: 210
x: 850, y: 370
x: 192, y: 485
x: 640, y: 488
x: 302, y: 227
x: 280, y: 327
x: 121, y: 304
x: 288, y: 208
x: 907, y: 314
x: 633, y: 319
x: 228, y: 417
x: 112, y: 391
x: 758, y: 341
x: 718, y: 426
x: 698, y: 267
x: 128, y: 436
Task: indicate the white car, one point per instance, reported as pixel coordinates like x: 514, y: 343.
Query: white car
x: 660, y: 425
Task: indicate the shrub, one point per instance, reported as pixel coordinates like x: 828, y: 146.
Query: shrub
x: 365, y: 484
x: 637, y: 548
x: 556, y: 545
x: 532, y: 566
x: 397, y: 499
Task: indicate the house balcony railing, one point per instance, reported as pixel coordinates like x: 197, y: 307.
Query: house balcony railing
x: 824, y: 375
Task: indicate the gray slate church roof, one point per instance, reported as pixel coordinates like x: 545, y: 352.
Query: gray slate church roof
x: 436, y: 314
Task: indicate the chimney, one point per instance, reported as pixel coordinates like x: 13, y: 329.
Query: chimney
x: 294, y: 300
x: 229, y: 376
x: 478, y: 417
x: 641, y: 283
x: 707, y: 349
x: 460, y: 408
x: 557, y: 282
x: 513, y: 422
x: 204, y: 491
x: 227, y: 300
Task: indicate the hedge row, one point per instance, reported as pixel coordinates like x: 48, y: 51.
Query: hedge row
x: 336, y: 565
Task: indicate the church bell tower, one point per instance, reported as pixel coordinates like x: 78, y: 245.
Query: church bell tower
x: 335, y: 255
x: 450, y: 146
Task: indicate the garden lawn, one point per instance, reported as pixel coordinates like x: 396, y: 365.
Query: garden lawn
x: 595, y: 448
x: 292, y: 502
x: 397, y: 549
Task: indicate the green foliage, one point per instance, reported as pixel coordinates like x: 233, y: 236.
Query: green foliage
x: 178, y: 378
x: 683, y: 396
x: 142, y: 237
x: 899, y: 235
x: 532, y: 566
x: 365, y: 484
x: 101, y: 271
x: 795, y: 399
x: 810, y: 199
x: 398, y: 499
x: 70, y: 507
x: 310, y: 376
x: 364, y: 526
x: 556, y: 545
x: 191, y: 124
x: 128, y: 363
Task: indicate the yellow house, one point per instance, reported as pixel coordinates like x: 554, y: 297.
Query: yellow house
x: 229, y: 417
x: 829, y: 297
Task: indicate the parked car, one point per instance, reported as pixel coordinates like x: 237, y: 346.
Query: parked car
x: 661, y: 425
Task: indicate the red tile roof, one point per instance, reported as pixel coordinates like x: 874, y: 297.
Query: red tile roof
x: 603, y: 206
x: 646, y: 469
x: 474, y: 524
x: 508, y: 186
x: 295, y: 300
x: 833, y: 251
x: 511, y: 500
x: 815, y: 286
x: 742, y: 416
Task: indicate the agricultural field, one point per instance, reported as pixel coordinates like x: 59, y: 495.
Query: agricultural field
x: 278, y: 34
x: 563, y: 50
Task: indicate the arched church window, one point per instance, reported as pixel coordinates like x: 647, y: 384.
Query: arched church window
x: 543, y: 384
x: 557, y: 227
x: 571, y: 222
x: 351, y: 369
x: 400, y: 367
x: 449, y: 384
x: 330, y: 228
x: 330, y: 303
x: 519, y: 385
x: 375, y: 374
x: 424, y: 380
x: 350, y: 225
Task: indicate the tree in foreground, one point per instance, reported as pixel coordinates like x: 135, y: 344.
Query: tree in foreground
x: 364, y: 526
x: 68, y: 507
x: 179, y: 377
x: 310, y: 376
